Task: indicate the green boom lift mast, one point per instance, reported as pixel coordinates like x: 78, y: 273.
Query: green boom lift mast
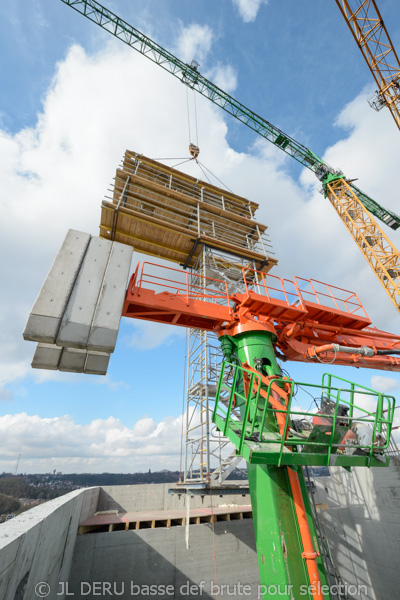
x: 354, y: 207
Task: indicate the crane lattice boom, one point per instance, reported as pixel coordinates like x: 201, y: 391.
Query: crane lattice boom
x: 369, y: 31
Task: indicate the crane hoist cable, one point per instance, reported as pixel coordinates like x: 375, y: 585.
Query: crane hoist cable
x: 194, y: 149
x: 355, y: 208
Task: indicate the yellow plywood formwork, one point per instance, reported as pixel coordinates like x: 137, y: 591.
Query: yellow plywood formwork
x: 165, y: 213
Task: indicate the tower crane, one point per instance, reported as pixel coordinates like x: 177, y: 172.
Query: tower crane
x: 355, y: 208
x: 369, y: 31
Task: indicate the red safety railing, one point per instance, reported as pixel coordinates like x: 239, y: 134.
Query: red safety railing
x: 331, y: 296
x: 273, y: 287
x: 190, y: 286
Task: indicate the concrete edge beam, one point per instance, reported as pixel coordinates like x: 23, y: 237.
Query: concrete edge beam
x: 96, y: 363
x: 46, y: 314
x: 78, y: 316
x: 105, y: 326
x: 47, y: 356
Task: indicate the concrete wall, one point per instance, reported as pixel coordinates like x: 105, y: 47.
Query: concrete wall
x: 159, y: 556
x: 133, y: 560
x: 37, y: 547
x: 362, y: 524
x: 157, y: 497
x: 361, y: 518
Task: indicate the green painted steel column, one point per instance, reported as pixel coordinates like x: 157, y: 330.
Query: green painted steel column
x: 252, y: 347
x: 283, y: 570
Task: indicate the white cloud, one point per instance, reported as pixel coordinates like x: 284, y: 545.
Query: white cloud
x: 148, y: 335
x: 224, y: 76
x: 194, y: 43
x: 248, y: 9
x: 101, y: 445
x: 385, y: 384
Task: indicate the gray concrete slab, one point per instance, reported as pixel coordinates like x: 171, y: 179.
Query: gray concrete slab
x: 72, y: 360
x: 46, y: 314
x: 47, y: 356
x: 78, y: 316
x: 96, y: 363
x: 107, y: 316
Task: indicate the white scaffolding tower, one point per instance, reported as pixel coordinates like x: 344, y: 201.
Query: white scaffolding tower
x: 213, y: 234
x: 209, y: 456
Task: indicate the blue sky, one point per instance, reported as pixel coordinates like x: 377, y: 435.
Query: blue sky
x: 75, y: 99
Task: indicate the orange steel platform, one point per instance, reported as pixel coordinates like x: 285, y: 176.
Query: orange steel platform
x: 303, y: 314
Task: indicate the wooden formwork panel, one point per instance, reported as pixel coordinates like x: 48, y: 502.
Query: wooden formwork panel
x: 168, y: 214
x: 155, y: 171
x: 175, y: 243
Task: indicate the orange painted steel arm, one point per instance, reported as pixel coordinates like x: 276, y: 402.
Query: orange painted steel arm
x: 309, y: 553
x: 301, y: 331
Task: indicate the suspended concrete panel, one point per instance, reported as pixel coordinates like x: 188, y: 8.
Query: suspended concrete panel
x: 45, y: 318
x: 77, y: 320
x: 78, y: 311
x: 73, y: 360
x: 107, y: 316
x: 96, y: 363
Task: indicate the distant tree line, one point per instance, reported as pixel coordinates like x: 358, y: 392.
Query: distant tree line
x: 48, y: 486
x: 8, y: 505
x: 95, y: 479
x: 17, y: 487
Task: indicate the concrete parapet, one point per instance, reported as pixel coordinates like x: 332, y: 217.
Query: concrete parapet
x: 125, y: 498
x: 36, y: 547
